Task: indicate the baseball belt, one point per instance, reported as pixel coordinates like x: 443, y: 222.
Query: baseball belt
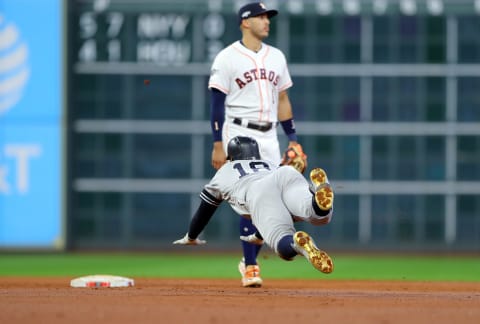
x: 263, y: 127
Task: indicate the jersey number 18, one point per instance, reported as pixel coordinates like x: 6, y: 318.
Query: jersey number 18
x: 254, y: 166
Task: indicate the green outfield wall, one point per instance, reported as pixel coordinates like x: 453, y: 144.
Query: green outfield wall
x: 385, y: 99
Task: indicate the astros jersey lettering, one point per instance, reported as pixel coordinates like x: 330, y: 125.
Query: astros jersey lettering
x: 250, y: 80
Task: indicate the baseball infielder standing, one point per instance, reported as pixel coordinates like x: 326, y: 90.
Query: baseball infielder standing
x: 274, y: 197
x: 248, y: 82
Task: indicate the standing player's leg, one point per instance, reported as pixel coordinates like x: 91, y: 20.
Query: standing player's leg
x: 248, y: 266
x: 269, y: 150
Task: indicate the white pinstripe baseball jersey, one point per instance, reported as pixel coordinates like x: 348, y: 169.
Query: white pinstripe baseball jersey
x: 251, y: 80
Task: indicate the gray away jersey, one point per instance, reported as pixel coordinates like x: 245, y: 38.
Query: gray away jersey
x: 233, y: 180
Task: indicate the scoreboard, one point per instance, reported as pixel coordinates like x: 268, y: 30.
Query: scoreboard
x: 175, y: 33
x: 166, y: 35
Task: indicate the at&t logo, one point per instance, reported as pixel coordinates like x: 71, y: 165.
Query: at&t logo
x: 14, y: 69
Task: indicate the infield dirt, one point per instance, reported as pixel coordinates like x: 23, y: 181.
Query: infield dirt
x: 52, y: 300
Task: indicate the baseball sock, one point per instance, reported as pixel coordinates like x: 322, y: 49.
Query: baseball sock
x: 317, y: 209
x: 285, y: 248
x: 250, y: 251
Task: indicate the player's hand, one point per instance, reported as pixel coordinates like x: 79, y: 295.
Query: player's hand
x: 219, y: 157
x: 188, y: 241
x: 252, y: 238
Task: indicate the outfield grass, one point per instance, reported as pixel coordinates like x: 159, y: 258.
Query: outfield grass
x: 207, y: 265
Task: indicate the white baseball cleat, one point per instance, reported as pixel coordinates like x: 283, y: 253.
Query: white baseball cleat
x: 304, y: 244
x: 323, y: 191
x: 250, y: 275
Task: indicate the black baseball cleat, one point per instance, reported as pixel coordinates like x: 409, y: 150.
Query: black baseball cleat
x: 322, y: 190
x: 320, y: 260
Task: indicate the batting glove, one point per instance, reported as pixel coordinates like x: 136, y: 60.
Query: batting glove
x: 188, y: 241
x: 252, y: 238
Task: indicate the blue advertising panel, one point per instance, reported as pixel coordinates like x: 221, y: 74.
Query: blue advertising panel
x: 30, y: 123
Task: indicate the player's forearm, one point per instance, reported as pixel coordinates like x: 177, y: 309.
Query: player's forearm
x: 203, y: 214
x: 285, y: 117
x: 200, y: 219
x: 286, y: 114
x: 284, y: 107
x: 218, y: 145
x: 217, y: 113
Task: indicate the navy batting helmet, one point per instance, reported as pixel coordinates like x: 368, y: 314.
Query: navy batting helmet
x: 243, y: 148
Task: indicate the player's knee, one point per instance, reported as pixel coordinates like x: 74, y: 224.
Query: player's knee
x: 285, y: 248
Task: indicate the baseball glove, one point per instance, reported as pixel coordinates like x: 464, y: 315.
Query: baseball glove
x: 295, y: 157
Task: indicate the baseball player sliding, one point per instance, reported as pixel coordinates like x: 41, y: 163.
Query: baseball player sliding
x: 273, y: 197
x: 248, y: 82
